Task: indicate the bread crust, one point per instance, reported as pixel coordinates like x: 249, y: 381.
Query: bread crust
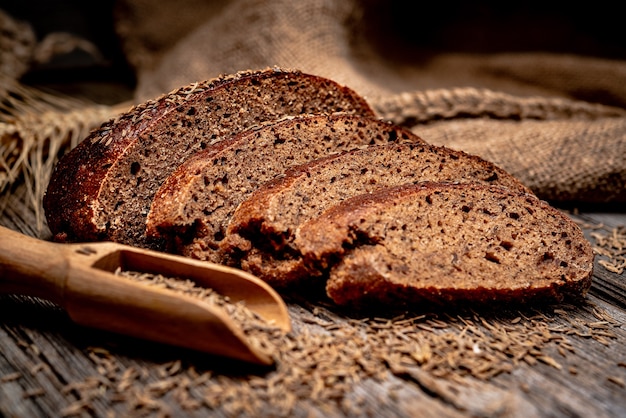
x: 271, y: 216
x: 95, y: 184
x: 194, y: 205
x: 352, y: 242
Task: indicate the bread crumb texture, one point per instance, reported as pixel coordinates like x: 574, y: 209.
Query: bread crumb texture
x: 442, y: 242
x: 116, y: 171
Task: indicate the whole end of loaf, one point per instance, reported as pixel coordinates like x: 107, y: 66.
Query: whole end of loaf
x: 103, y: 188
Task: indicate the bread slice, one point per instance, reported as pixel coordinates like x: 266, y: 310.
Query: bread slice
x: 447, y: 243
x: 194, y: 205
x: 102, y: 189
x: 261, y: 234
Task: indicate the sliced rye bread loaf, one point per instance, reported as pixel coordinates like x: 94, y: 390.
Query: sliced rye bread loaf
x: 441, y: 243
x: 192, y: 209
x: 102, y: 189
x: 261, y: 235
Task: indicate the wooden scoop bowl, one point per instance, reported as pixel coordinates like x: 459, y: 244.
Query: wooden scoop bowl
x: 79, y: 278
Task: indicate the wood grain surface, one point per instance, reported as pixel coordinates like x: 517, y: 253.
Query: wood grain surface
x: 541, y: 361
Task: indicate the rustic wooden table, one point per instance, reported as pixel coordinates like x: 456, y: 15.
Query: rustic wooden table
x: 541, y: 361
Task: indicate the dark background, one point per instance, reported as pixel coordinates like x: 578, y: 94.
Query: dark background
x: 586, y: 28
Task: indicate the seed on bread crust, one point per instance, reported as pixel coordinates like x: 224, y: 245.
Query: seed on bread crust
x: 103, y: 188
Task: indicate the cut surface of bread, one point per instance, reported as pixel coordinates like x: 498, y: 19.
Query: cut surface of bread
x: 194, y: 205
x: 261, y: 234
x: 444, y: 243
x: 102, y: 189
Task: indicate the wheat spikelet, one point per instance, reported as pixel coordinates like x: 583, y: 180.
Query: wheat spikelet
x: 36, y: 127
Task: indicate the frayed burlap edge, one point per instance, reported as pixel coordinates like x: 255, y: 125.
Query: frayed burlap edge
x: 418, y: 107
x: 564, y: 150
x: 36, y: 128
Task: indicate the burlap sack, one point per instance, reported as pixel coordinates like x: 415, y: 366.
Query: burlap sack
x: 36, y: 126
x: 557, y: 121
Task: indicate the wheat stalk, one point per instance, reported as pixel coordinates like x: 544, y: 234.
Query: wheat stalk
x: 36, y: 128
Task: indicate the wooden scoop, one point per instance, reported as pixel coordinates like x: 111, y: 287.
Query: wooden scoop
x: 80, y: 279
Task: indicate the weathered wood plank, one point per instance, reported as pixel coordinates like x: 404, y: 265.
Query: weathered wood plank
x: 607, y: 285
x: 585, y: 392
x: 581, y: 387
x: 572, y: 362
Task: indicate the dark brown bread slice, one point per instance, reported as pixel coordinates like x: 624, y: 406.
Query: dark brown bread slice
x: 441, y: 243
x: 194, y: 205
x: 102, y: 189
x: 261, y: 233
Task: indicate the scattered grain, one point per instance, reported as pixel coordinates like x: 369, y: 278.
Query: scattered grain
x: 38, y: 368
x: 610, y: 245
x: 11, y: 377
x: 549, y: 361
x: 32, y: 393
x: 617, y: 380
x: 76, y: 408
x: 35, y: 350
x: 320, y: 363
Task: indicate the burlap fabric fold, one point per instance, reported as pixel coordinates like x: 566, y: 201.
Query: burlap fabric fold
x: 37, y: 126
x: 555, y: 120
x: 553, y: 117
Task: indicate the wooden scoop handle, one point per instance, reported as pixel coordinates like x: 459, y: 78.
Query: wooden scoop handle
x: 32, y: 267
x: 43, y: 269
x: 97, y: 298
